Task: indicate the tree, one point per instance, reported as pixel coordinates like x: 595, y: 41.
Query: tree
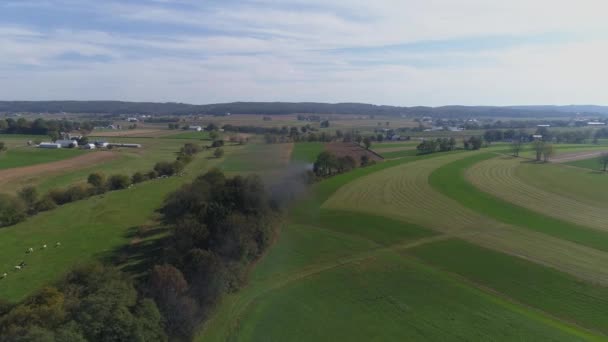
x: 214, y: 135
x: 367, y: 142
x: 516, y: 146
x: 548, y: 151
x: 29, y: 196
x: 474, y: 143
x: 325, y: 164
x: 97, y: 180
x: 117, y: 182
x: 604, y: 160
x: 12, y: 210
x: 538, y: 148
x: 2, y: 146
x: 364, y: 160
x: 218, y: 153
x: 325, y: 124
x: 138, y: 177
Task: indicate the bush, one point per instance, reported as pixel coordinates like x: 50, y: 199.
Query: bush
x: 45, y: 203
x: 71, y: 194
x: 98, y: 181
x: 117, y: 182
x: 218, y: 153
x: 12, y: 210
x: 2, y: 146
x: 29, y: 195
x: 152, y: 174
x: 217, y: 143
x: 138, y: 177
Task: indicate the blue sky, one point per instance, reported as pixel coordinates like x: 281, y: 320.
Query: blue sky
x: 402, y: 52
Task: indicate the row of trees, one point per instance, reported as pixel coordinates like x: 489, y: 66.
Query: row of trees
x: 219, y: 225
x: 46, y: 127
x: 14, y: 209
x: 448, y: 144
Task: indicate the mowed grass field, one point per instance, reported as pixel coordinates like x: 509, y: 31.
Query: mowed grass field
x: 127, y: 161
x: 89, y: 229
x: 25, y: 156
x: 380, y: 254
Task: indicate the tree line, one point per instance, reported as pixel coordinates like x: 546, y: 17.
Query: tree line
x: 46, y: 127
x: 28, y: 202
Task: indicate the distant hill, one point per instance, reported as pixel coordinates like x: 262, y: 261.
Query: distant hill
x: 279, y: 108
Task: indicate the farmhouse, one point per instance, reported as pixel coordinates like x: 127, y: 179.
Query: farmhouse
x: 195, y: 128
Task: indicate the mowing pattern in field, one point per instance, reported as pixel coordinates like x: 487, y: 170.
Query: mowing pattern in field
x: 404, y: 192
x: 497, y: 176
x: 337, y: 274
x: 545, y: 289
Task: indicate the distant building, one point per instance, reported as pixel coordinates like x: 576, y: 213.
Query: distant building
x: 49, y: 145
x: 88, y: 146
x: 132, y: 119
x: 595, y: 123
x: 537, y: 136
x: 543, y: 125
x: 101, y: 144
x: 66, y: 143
x: 195, y: 128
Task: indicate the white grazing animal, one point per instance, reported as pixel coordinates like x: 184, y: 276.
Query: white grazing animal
x: 43, y: 246
x: 58, y: 244
x: 17, y: 267
x: 4, y: 275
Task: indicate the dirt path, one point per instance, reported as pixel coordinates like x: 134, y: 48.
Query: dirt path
x: 568, y: 157
x: 75, y: 163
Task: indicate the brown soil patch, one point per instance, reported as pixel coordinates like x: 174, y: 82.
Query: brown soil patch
x: 568, y: 157
x: 85, y: 160
x: 341, y: 149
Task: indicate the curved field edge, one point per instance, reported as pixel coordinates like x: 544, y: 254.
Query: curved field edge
x: 499, y: 177
x: 227, y: 323
x: 296, y: 253
x: 550, y: 291
x: 391, y: 297
x: 450, y: 181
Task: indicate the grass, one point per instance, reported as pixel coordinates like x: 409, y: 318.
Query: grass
x: 591, y: 164
x: 540, y: 287
x: 581, y: 185
x: 381, y: 230
x: 26, y: 156
x: 88, y: 229
x: 307, y: 152
x: 128, y: 162
x: 256, y: 157
x: 450, y: 205
x: 499, y: 177
x: 387, y: 297
x: 204, y: 135
x: 398, y: 154
x: 450, y: 181
x: 339, y: 275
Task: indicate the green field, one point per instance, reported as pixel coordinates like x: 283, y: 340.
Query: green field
x: 25, y: 156
x: 204, y: 135
x: 346, y: 257
x: 544, y: 289
x: 87, y: 229
x: 462, y: 245
x: 307, y: 152
x: 591, y: 164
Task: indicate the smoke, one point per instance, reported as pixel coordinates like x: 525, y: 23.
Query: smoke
x: 288, y: 184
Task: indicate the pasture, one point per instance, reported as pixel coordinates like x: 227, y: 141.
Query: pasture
x: 89, y: 229
x: 25, y: 156
x: 462, y: 245
x: 376, y: 247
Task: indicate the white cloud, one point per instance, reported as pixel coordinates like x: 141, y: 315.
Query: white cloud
x: 270, y: 50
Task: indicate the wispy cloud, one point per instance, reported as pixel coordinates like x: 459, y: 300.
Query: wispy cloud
x: 390, y: 51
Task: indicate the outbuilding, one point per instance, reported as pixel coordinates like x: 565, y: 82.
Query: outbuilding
x: 67, y: 143
x: 49, y: 145
x: 195, y: 128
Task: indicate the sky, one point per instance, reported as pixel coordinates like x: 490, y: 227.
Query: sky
x: 394, y: 52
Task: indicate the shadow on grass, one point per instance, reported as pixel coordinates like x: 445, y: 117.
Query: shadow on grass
x: 144, y: 250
